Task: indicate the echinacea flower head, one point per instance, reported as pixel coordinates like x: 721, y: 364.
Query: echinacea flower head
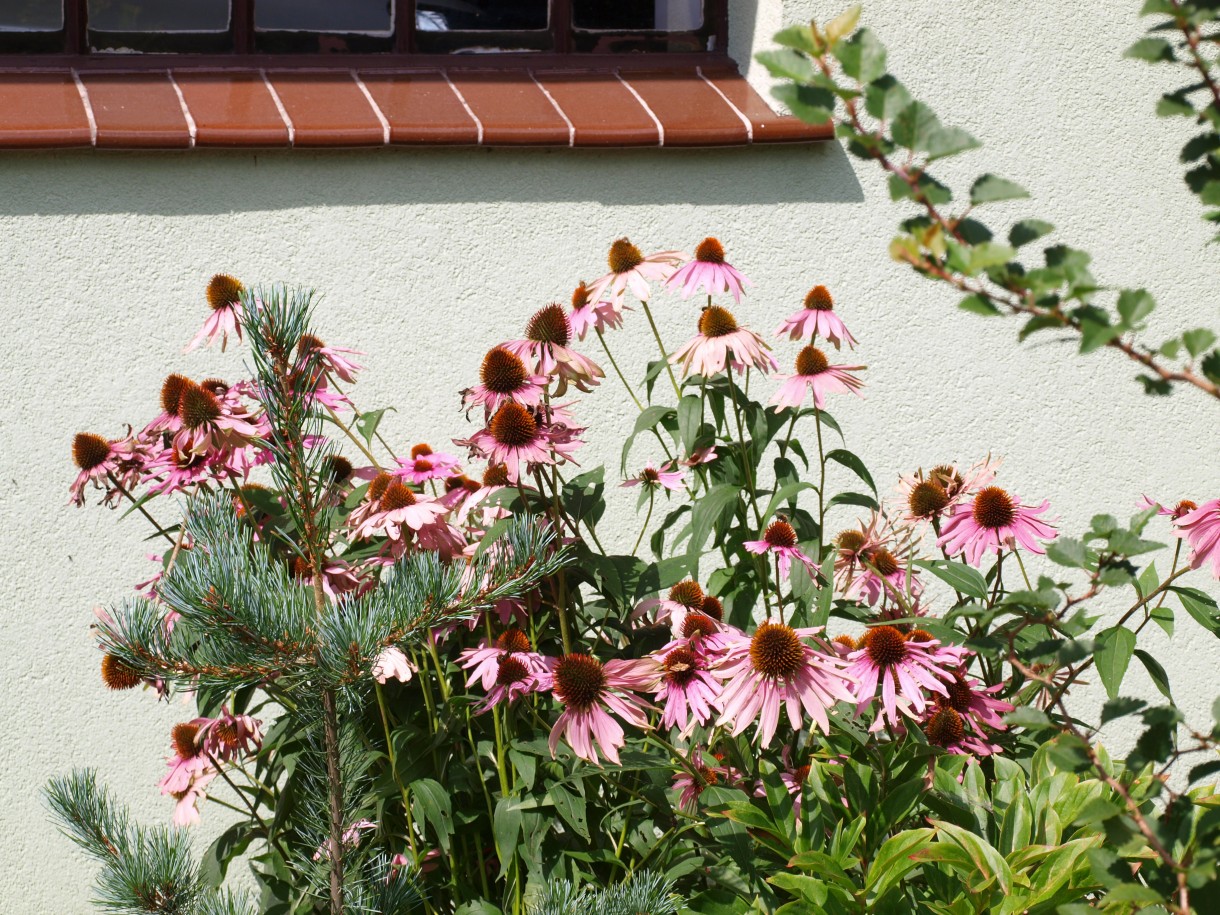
x: 1201, y: 529
x: 224, y: 298
x: 588, y: 315
x: 118, y: 675
x: 653, y: 477
x: 815, y: 373
x: 688, y: 691
x: 690, y: 784
x: 95, y: 459
x: 590, y: 691
x: 927, y: 497
x: 995, y: 519
x: 214, y: 419
x: 523, y: 439
x: 975, y: 703
x: 483, y: 662
x: 334, y: 359
x: 720, y: 342
x: 393, y: 664
x: 817, y: 319
x: 169, y: 420
x: 881, y: 575
x: 780, y: 539
x: 905, y: 667
x: 399, y: 510
x: 775, y: 667
x: 424, y: 464
x: 945, y: 727
x: 229, y: 735
x: 189, y: 756
x: 1175, y: 511
x: 503, y: 377
x: 545, y: 351
x: 631, y: 269
x: 710, y: 272
x: 683, y: 598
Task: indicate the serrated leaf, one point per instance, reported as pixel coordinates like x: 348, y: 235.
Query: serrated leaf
x: 1134, y: 305
x: 1027, y: 230
x: 978, y: 304
x: 785, y: 63
x: 812, y: 105
x: 1112, y: 653
x: 1197, y: 341
x: 949, y: 141
x: 1150, y: 49
x: 1119, y: 707
x: 886, y: 97
x: 799, y: 37
x: 990, y: 188
x: 843, y: 24
x: 1068, y: 551
x: 914, y: 125
x: 862, y: 56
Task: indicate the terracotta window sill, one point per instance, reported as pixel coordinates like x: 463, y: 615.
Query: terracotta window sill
x: 252, y: 107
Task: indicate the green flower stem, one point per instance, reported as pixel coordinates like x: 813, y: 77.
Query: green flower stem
x: 356, y: 441
x: 664, y: 355
x: 648, y: 517
x: 623, y: 378
x: 143, y: 511
x: 817, y: 420
x: 377, y: 434
x: 1024, y: 574
x: 402, y: 789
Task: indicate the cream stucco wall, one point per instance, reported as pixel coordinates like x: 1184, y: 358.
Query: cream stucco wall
x: 427, y: 258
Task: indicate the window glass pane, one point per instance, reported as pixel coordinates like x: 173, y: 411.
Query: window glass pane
x: 158, y: 15
x: 323, y: 15
x: 637, y: 15
x: 480, y: 15
x: 31, y: 15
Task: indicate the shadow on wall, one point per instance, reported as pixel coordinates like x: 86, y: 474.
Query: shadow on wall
x: 201, y: 183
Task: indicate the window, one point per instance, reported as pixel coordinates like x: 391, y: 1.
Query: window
x: 360, y: 27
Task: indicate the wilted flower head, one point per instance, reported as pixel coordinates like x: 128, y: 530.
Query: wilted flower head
x: 993, y: 521
x: 589, y: 315
x: 720, y: 342
x: 545, y: 351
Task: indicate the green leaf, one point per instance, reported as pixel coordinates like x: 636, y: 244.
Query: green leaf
x: 1156, y: 672
x: 811, y: 105
x: 1027, y: 717
x: 893, y: 860
x: 572, y: 807
x: 1176, y: 104
x: 987, y: 862
x: 1120, y: 707
x: 1198, y: 341
x: 1112, y: 654
x: 431, y: 802
x: 1028, y: 230
x: 959, y: 576
x: 782, y: 495
x: 1201, y: 607
x: 949, y: 141
x: 1068, y: 551
x: 367, y: 423
x: 785, y: 63
x: 798, y: 37
x: 853, y: 498
x: 228, y: 845
x: 854, y: 464
x: 708, y: 510
x: 690, y: 417
x: 989, y: 188
x: 649, y: 418
x: 978, y: 304
x: 1134, y: 305
x: 914, y: 126
x: 862, y: 56
x: 1210, y: 366
x: 886, y: 97
x: 1150, y: 49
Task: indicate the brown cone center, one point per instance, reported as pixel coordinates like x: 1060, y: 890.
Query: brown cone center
x: 776, y: 651
x: 811, y: 361
x: 993, y: 508
x: 579, y: 681
x: 624, y: 256
x: 717, y: 322
x: 513, y: 425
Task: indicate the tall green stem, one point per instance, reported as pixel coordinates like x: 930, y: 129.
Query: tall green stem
x: 661, y: 346
x: 648, y: 517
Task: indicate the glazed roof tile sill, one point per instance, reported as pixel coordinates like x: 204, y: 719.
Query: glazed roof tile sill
x: 260, y: 108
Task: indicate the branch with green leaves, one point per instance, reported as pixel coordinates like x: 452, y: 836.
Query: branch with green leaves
x: 836, y: 73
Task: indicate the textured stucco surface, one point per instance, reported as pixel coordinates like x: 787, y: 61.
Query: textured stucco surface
x: 427, y: 258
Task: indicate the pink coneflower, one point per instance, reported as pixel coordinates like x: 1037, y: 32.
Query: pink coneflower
x: 545, y: 351
x: 700, y: 456
x: 975, y: 702
x: 393, y: 664
x: 881, y: 575
x: 780, y: 539
x: 683, y: 598
x: 212, y: 422
x: 503, y: 378
x: 178, y: 470
x: 774, y: 667
x: 945, y: 727
x: 424, y: 464
x: 229, y: 735
x: 590, y: 690
x: 690, y: 785
x: 710, y: 272
x: 522, y: 440
x: 720, y: 342
x: 495, y: 478
x: 588, y: 315
x: 794, y: 778
x: 929, y: 496
x: 224, y: 298
x: 332, y: 359
x: 652, y: 477
x: 688, y: 691
x: 817, y: 319
x: 483, y: 662
x: 96, y: 459
x: 350, y: 838
x: 515, y: 676
x: 1200, y: 528
x: 904, y: 666
x: 188, y: 759
x: 186, y: 800
x: 994, y: 520
x: 168, y: 420
x: 815, y: 373
x: 853, y: 544
x: 1173, y: 511
x: 630, y: 268
x: 399, y: 509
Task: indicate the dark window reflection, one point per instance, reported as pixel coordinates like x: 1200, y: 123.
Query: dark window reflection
x: 323, y: 15
x: 480, y: 15
x: 638, y: 15
x: 31, y: 15
x: 158, y: 15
